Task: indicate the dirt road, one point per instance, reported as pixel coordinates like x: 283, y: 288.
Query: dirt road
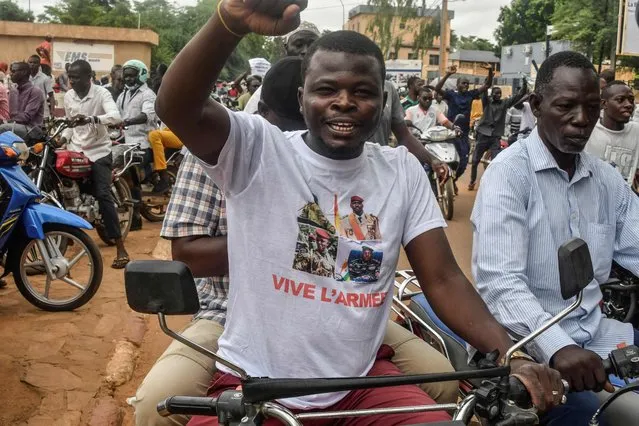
x: 55, y: 366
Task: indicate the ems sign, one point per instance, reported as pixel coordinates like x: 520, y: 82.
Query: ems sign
x: 99, y: 56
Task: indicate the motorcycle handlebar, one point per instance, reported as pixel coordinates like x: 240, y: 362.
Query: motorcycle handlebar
x: 518, y: 393
x: 188, y: 405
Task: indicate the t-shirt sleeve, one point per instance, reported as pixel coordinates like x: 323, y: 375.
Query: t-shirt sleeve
x: 423, y: 211
x: 48, y: 86
x: 475, y: 93
x: 252, y: 104
x: 397, y: 110
x: 409, y: 114
x: 241, y: 155
x: 448, y: 95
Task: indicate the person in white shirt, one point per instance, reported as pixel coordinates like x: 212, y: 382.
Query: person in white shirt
x: 528, y: 120
x: 425, y: 115
x: 615, y: 139
x: 440, y: 103
x: 333, y: 324
x: 92, y: 109
x: 137, y: 107
x: 44, y: 83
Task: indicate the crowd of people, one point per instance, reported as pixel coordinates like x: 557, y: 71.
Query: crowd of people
x: 311, y: 142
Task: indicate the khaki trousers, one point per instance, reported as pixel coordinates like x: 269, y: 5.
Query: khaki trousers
x: 183, y: 371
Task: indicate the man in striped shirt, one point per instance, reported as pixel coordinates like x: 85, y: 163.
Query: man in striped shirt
x: 537, y: 195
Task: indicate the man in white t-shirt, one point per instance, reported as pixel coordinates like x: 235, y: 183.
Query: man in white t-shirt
x: 286, y: 190
x: 425, y: 115
x: 615, y: 139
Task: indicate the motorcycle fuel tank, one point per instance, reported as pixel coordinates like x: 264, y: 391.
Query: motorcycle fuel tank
x: 74, y: 165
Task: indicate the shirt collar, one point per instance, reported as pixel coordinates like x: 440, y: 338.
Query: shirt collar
x: 90, y: 93
x: 542, y: 159
x: 24, y: 86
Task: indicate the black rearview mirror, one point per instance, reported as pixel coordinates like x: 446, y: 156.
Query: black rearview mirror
x: 575, y: 267
x: 158, y: 286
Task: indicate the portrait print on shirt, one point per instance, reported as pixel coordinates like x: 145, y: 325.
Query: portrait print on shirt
x: 349, y: 250
x: 359, y: 261
x: 316, y: 246
x: 359, y: 225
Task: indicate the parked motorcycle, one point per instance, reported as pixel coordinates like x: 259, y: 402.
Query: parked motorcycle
x: 440, y: 143
x: 64, y: 177
x: 37, y: 236
x: 498, y: 400
x: 128, y: 160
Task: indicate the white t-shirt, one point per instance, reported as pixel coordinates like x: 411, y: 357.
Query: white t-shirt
x: 617, y: 147
x: 442, y: 107
x: 424, y: 120
x: 528, y: 119
x: 311, y: 278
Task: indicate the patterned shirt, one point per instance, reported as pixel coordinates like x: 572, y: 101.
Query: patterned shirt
x: 526, y: 208
x: 198, y: 207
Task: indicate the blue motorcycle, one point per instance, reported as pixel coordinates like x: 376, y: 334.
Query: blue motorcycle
x: 55, y: 264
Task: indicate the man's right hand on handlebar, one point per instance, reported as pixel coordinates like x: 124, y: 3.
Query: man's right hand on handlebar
x: 543, y: 383
x: 582, y: 368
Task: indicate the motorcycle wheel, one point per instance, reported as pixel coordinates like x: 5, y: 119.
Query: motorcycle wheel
x: 122, y: 194
x: 62, y: 291
x: 447, y: 199
x: 156, y: 213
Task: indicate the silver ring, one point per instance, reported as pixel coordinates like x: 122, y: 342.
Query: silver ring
x: 555, y: 393
x: 566, y: 385
x: 564, y: 399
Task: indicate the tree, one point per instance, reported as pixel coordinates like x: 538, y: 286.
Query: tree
x: 474, y: 43
x: 395, y: 21
x: 524, y: 21
x: 10, y: 11
x: 591, y: 25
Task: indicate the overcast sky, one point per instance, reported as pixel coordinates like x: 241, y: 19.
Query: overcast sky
x: 472, y: 17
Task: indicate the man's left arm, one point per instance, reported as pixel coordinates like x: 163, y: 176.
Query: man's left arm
x: 627, y: 226
x: 442, y: 280
x: 489, y: 81
x: 515, y: 99
x: 111, y: 115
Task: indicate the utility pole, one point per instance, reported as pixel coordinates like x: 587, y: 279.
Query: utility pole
x: 444, y: 39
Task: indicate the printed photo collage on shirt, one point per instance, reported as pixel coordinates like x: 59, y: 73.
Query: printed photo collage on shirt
x: 347, y: 250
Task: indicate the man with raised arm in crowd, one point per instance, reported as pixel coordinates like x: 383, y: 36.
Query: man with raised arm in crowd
x: 460, y: 102
x: 534, y: 197
x: 340, y: 334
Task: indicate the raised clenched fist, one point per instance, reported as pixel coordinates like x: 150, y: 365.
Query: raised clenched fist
x: 265, y: 17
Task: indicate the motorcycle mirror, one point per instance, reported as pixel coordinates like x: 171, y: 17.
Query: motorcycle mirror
x: 575, y: 268
x: 458, y: 118
x: 158, y: 286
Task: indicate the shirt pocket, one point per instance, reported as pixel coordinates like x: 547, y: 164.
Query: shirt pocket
x: 601, y: 243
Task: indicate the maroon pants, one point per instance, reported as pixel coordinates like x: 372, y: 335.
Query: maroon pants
x: 398, y: 396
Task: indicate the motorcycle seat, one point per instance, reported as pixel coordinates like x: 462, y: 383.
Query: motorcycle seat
x: 455, y: 345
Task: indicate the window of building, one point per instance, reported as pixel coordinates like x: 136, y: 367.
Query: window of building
x: 402, y: 26
x: 433, y: 60
x: 412, y: 55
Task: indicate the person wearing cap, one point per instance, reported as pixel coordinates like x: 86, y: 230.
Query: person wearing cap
x: 137, y: 107
x: 253, y: 82
x: 44, y: 52
x: 321, y: 262
x: 365, y: 268
x: 199, y: 239
x: 359, y: 225
x: 296, y: 44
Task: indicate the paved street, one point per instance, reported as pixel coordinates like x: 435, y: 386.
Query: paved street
x: 57, y: 367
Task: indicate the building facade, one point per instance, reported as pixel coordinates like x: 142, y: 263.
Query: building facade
x: 102, y: 47
x: 361, y: 19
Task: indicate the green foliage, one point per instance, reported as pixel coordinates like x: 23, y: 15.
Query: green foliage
x: 474, y: 43
x: 591, y: 25
x: 381, y: 27
x: 524, y: 21
x: 10, y: 11
x: 174, y: 25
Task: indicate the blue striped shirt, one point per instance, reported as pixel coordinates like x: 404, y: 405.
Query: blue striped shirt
x: 526, y: 208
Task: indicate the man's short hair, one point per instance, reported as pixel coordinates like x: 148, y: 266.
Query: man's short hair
x: 425, y: 89
x: 280, y: 88
x: 562, y: 59
x: 345, y: 42
x: 82, y: 66
x: 606, y: 91
x: 411, y: 80
x: 35, y: 57
x: 20, y: 65
x: 608, y: 76
x: 250, y: 78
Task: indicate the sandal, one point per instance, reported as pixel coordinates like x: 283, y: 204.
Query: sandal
x: 120, y: 262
